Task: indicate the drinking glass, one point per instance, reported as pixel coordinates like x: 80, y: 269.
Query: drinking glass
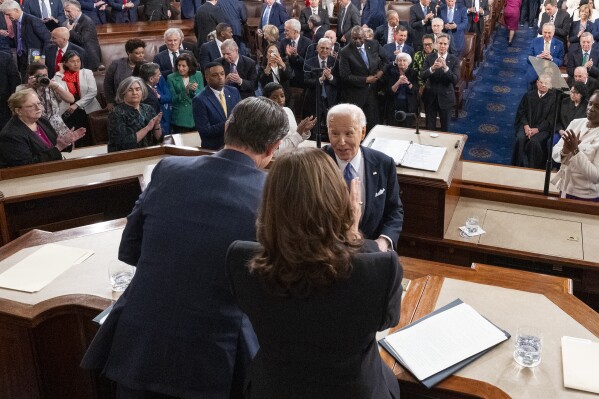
x: 529, y: 342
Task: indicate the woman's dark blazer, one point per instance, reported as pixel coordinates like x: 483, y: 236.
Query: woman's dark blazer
x: 569, y: 112
x: 285, y: 77
x: 391, y: 76
x: 20, y: 146
x: 322, y: 346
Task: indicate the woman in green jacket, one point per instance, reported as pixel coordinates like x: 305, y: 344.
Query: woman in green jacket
x: 184, y: 85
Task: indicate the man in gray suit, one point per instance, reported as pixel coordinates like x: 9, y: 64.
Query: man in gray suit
x: 348, y: 17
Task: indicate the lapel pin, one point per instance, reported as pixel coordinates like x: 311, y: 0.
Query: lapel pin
x: 374, y: 173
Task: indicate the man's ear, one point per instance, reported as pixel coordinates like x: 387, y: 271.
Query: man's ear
x: 270, y: 150
x: 363, y: 133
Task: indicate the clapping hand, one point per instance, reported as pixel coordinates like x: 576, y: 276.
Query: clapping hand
x: 65, y: 140
x: 306, y: 125
x: 571, y: 141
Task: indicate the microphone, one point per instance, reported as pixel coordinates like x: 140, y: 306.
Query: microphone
x: 401, y: 116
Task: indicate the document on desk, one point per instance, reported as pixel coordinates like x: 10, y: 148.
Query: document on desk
x: 409, y: 154
x: 438, y: 345
x: 580, y: 358
x: 41, y: 267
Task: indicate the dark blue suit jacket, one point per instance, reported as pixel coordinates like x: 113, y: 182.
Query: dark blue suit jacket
x: 460, y: 18
x: 373, y: 13
x: 210, y: 118
x: 391, y: 47
x: 34, y: 34
x: 575, y: 60
x: 87, y: 6
x: 235, y: 14
x: 56, y: 9
x: 278, y: 16
x: 163, y: 59
x: 208, y: 52
x: 536, y: 47
x: 119, y: 15
x: 383, y: 211
x: 52, y: 50
x: 177, y: 328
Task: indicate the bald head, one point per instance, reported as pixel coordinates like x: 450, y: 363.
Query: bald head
x: 60, y: 37
x: 581, y: 74
x: 331, y: 35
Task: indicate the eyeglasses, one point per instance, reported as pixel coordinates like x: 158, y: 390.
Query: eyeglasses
x: 36, y: 105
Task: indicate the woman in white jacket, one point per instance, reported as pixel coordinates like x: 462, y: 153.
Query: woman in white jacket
x: 82, y: 85
x: 578, y: 152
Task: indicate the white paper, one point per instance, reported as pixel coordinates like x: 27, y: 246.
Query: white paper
x: 580, y: 359
x: 396, y: 149
x: 443, y: 340
x: 146, y: 177
x: 41, y: 267
x: 410, y: 155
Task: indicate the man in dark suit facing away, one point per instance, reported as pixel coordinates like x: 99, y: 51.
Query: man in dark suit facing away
x: 212, y: 107
x: 210, y: 51
x: 83, y: 33
x: 240, y: 71
x: 30, y: 33
x: 166, y: 58
x: 361, y: 64
x: 440, y: 73
x: 60, y: 45
x: 314, y: 9
x: 206, y: 19
x: 348, y: 17
x: 177, y: 329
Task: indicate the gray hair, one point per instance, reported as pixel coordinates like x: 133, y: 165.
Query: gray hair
x: 391, y: 13
x: 10, y: 5
x: 583, y: 70
x: 587, y: 34
x: 147, y: 70
x: 255, y: 124
x: 347, y: 109
x: 315, y: 19
x: 173, y: 31
x: 324, y: 40
x: 549, y: 25
x: 73, y: 3
x: 229, y: 44
x: 126, y: 84
x: 406, y: 56
x: 437, y: 20
x: 294, y: 24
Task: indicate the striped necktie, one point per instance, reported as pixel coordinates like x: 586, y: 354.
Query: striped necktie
x: 223, y: 103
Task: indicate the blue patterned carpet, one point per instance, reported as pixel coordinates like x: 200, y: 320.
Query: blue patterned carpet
x: 492, y: 99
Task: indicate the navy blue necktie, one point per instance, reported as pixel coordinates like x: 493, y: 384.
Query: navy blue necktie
x: 348, y: 174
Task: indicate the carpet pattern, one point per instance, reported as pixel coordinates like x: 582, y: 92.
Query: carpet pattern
x: 492, y: 99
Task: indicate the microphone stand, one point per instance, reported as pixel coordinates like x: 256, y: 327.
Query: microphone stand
x: 317, y: 95
x: 558, y: 103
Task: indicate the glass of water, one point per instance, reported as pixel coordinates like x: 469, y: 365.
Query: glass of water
x: 529, y: 342
x: 472, y: 224
x: 120, y: 275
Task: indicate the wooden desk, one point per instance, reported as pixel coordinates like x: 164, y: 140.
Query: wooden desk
x: 545, y: 301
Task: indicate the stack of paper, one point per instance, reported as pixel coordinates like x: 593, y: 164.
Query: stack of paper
x: 441, y: 343
x: 580, y: 359
x: 409, y: 154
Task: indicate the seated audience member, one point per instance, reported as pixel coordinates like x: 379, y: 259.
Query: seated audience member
x: 211, y: 51
x: 30, y: 138
x: 382, y: 217
x: 195, y: 341
x: 95, y: 10
x: 132, y: 124
x: 399, y: 44
x: 348, y: 17
x: 9, y: 79
x: 294, y: 47
x: 455, y: 23
x: 419, y: 57
x: 122, y: 68
x: 159, y: 94
x: 275, y: 69
x: 314, y: 9
x: 385, y: 34
x: 573, y: 107
x: 53, y: 95
x: 288, y: 291
x: 560, y: 19
x: 212, y: 107
x: 157, y: 10
x: 240, y: 71
x: 421, y: 15
x: 547, y: 48
x: 60, y: 45
x: 579, y: 27
x: 184, y: 85
x: 321, y: 79
x: 584, y: 55
x: 184, y: 44
x: 123, y: 11
x: 83, y: 33
x: 52, y: 16
x: 402, y: 86
x: 297, y: 133
x: 166, y: 58
x: 581, y: 75
x: 440, y: 74
x: 81, y: 83
x: 236, y: 16
x: 578, y: 152
x: 533, y: 126
x: 206, y: 19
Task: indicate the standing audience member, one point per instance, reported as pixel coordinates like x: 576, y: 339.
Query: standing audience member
x: 547, y: 48
x: 157, y: 10
x: 122, y: 68
x: 51, y: 12
x: 347, y: 18
x: 315, y: 26
x: 189, y: 8
x: 166, y: 58
x: 9, y: 79
x: 236, y: 16
x: 212, y: 107
x: 270, y: 35
x: 215, y: 199
x: 440, y: 73
x: 382, y: 214
x: 314, y: 9
x: 373, y: 14
x: 159, y: 94
x: 402, y: 90
x: 533, y: 126
x: 321, y: 81
x: 124, y: 11
x: 385, y: 33
x: 28, y: 137
x: 477, y: 11
x: 272, y: 13
x: 7, y: 34
x: 240, y: 71
x: 399, y: 44
x: 437, y: 25
x: 132, y: 124
x: 419, y: 57
x: 206, y: 19
x: 95, y: 10
x: 421, y: 15
x: 585, y: 55
x: 288, y: 291
x: 295, y: 46
x: 53, y: 95
x: 184, y: 85
x: 578, y: 152
x: 30, y: 33
x: 455, y: 24
x: 211, y: 51
x: 60, y: 45
x: 275, y: 69
x: 83, y: 33
x: 527, y: 12
x: 583, y: 25
x: 560, y: 19
x: 184, y: 44
x: 361, y: 65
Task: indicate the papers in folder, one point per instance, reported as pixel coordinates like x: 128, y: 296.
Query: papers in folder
x: 580, y: 359
x: 41, y: 267
x: 441, y: 343
x: 409, y: 154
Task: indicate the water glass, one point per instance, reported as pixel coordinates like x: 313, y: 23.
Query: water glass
x: 120, y: 275
x: 471, y: 224
x: 528, y: 345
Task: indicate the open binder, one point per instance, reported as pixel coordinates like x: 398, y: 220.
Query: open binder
x: 408, y: 154
x: 486, y: 334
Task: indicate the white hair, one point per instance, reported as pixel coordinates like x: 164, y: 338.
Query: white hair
x: 325, y: 41
x: 407, y: 56
x: 10, y: 5
x: 294, y: 24
x: 229, y: 44
x: 347, y: 109
x: 173, y: 31
x: 437, y: 20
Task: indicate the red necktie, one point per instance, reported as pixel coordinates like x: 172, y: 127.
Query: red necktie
x: 58, y: 59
